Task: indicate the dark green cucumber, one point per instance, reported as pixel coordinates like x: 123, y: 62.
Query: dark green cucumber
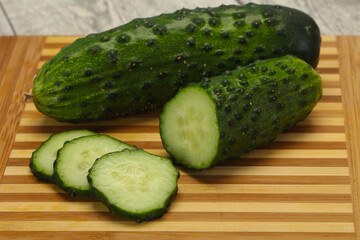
x: 42, y: 160
x: 140, y: 65
x: 221, y: 117
x: 134, y: 184
x: 77, y: 156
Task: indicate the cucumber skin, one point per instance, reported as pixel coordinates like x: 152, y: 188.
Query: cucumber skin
x: 41, y: 176
x: 72, y: 191
x: 142, y: 217
x: 138, y: 67
x: 242, y: 127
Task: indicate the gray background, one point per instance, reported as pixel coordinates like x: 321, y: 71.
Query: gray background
x: 79, y: 17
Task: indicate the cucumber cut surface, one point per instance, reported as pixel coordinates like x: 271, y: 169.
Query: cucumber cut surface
x: 42, y: 160
x: 191, y: 124
x: 76, y: 158
x: 134, y: 184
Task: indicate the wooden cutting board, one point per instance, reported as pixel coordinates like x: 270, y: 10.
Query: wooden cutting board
x: 304, y: 185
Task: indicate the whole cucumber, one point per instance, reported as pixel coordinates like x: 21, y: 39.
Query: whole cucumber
x: 140, y: 65
x: 222, y: 117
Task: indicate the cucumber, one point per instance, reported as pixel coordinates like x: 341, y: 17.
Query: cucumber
x: 139, y: 66
x: 76, y: 157
x: 134, y: 184
x: 42, y: 160
x: 221, y: 117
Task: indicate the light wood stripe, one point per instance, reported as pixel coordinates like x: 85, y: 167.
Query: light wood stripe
x: 234, y: 171
x: 328, y: 51
x: 259, y: 153
x: 29, y: 188
x: 330, y: 77
x: 50, y: 52
x: 169, y: 226
x: 328, y: 38
x: 41, y: 137
x: 328, y: 106
x: 328, y: 64
x: 40, y: 64
x: 311, y: 121
x: 266, y: 188
x: 207, y: 188
x: 312, y: 137
x: 60, y: 39
x: 184, y: 207
x: 276, y: 153
x: 331, y: 92
x: 129, y: 121
x: 143, y: 137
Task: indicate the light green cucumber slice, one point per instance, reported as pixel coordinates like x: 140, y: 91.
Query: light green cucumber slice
x: 134, y: 184
x: 42, y: 160
x: 189, y: 128
x: 76, y: 158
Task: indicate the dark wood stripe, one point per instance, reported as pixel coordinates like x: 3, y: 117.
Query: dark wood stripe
x: 81, y: 235
x: 181, y: 216
x: 191, y: 197
x: 316, y: 129
x: 305, y: 145
x: 55, y: 45
x: 219, y: 179
x: 331, y: 84
x: 248, y: 179
x: 294, y: 162
x: 154, y: 114
x: 336, y: 99
x: 329, y: 70
x: 329, y: 57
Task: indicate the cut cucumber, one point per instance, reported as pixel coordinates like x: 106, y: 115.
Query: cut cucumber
x: 222, y: 117
x: 42, y: 160
x: 134, y: 184
x: 76, y: 158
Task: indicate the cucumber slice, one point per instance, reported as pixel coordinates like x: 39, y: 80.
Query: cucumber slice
x: 134, y: 184
x: 189, y: 128
x: 42, y: 160
x: 76, y: 158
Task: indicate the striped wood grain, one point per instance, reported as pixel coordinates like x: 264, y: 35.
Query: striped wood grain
x: 297, y: 187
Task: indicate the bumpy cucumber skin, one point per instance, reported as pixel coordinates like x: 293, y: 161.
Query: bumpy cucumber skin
x: 73, y: 191
x: 257, y: 102
x: 138, y: 217
x: 140, y: 65
x: 40, y: 175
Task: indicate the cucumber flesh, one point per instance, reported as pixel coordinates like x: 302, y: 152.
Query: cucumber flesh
x: 76, y: 158
x: 42, y: 160
x: 134, y: 184
x: 190, y: 121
